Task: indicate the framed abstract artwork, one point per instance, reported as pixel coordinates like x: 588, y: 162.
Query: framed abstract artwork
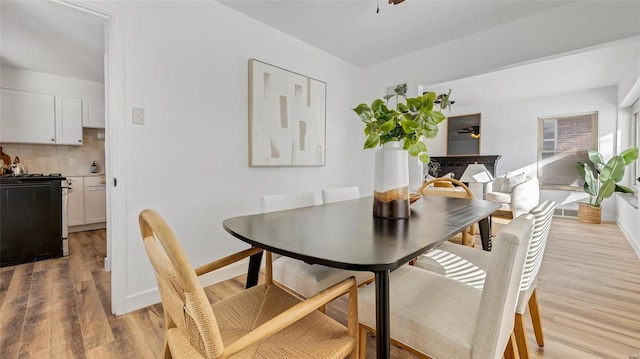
x: 286, y: 117
x: 463, y: 135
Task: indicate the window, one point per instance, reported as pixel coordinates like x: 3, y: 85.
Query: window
x: 563, y: 141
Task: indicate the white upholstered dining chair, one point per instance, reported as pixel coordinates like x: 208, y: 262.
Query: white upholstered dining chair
x: 469, y: 266
x: 437, y: 317
x: 303, y: 278
x: 340, y: 194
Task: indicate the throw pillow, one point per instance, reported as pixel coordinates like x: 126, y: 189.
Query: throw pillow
x: 511, y: 180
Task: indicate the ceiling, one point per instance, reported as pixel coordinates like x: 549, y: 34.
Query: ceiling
x: 47, y: 37
x: 353, y: 31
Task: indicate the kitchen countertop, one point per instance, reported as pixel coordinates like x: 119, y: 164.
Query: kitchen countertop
x: 85, y: 175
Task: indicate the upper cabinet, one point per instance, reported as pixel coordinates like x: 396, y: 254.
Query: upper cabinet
x: 28, y: 117
x: 92, y: 114
x: 68, y: 120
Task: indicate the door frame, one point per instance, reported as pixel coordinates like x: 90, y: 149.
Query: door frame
x: 115, y: 149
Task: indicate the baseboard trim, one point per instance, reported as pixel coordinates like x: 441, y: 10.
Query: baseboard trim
x: 87, y: 227
x: 632, y: 241
x: 152, y: 296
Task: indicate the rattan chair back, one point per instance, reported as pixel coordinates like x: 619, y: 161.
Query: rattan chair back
x: 445, y: 192
x: 186, y: 306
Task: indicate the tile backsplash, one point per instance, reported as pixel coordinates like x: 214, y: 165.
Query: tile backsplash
x: 67, y: 160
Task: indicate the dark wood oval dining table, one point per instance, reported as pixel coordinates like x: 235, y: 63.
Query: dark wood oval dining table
x: 346, y: 235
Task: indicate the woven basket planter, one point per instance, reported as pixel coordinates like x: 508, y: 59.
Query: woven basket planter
x: 589, y: 214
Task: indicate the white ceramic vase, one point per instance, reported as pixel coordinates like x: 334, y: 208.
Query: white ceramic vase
x: 391, y: 182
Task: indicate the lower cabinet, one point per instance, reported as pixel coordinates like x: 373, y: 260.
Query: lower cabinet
x: 87, y: 200
x: 95, y: 200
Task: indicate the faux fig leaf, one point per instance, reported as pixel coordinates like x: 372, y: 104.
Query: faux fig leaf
x: 372, y: 141
x: 424, y: 158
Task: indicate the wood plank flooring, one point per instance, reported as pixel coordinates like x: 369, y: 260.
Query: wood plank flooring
x: 588, y: 290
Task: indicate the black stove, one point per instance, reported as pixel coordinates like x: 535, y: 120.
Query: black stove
x: 32, y: 177
x: 31, y: 224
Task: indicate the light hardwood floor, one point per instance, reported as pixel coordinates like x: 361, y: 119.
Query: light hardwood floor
x: 588, y: 290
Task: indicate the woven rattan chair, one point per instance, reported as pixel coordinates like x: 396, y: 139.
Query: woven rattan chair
x: 433, y: 316
x: 302, y: 278
x: 261, y: 322
x: 444, y: 187
x: 469, y: 266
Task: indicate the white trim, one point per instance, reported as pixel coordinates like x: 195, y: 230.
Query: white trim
x: 115, y: 149
x: 87, y: 227
x: 152, y: 296
x: 635, y: 245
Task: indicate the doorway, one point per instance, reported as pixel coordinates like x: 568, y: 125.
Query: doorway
x: 115, y: 261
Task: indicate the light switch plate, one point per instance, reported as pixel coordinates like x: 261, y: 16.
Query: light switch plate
x: 138, y: 116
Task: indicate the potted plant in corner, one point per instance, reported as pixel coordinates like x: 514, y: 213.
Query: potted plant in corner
x: 399, y: 131
x: 603, y: 183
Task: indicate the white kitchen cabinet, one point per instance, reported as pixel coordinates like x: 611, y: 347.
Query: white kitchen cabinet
x: 75, y: 208
x: 68, y: 120
x: 27, y: 117
x: 93, y: 114
x: 87, y: 206
x: 95, y: 200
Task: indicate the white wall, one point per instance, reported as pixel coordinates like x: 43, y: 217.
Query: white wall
x: 510, y: 129
x: 629, y: 85
x: 627, y: 216
x: 187, y: 66
x: 570, y: 28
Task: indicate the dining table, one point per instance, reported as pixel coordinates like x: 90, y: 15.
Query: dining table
x: 346, y: 235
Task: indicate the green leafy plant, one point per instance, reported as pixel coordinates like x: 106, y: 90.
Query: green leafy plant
x: 407, y: 123
x: 604, y: 182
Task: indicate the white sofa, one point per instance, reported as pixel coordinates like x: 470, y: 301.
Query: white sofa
x: 521, y: 200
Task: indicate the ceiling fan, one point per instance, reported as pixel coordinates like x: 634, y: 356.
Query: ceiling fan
x: 394, y: 2
x: 474, y: 131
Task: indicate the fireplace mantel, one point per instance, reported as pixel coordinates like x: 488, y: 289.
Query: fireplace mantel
x: 457, y: 164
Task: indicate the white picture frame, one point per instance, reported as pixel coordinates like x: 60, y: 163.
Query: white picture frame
x: 287, y: 117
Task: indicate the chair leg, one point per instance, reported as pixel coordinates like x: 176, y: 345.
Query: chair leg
x: 168, y: 323
x: 166, y: 353
x: 362, y: 342
x: 466, y: 241
x: 323, y: 309
x: 510, y: 350
x: 521, y: 337
x: 535, y: 318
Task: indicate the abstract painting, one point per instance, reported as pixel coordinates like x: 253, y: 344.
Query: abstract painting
x: 286, y: 117
x: 463, y: 135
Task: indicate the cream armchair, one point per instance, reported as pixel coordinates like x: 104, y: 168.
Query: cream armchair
x: 521, y: 200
